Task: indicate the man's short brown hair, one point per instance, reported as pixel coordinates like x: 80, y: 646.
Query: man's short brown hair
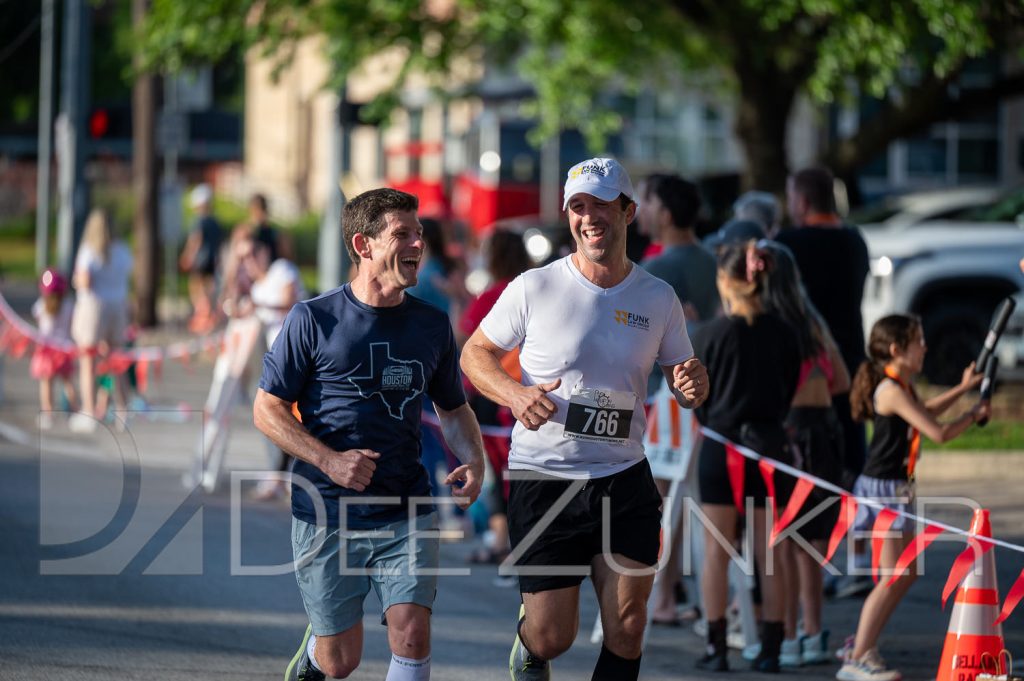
x: 816, y: 185
x: 365, y: 214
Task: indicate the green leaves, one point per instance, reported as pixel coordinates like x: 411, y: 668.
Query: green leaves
x: 573, y: 51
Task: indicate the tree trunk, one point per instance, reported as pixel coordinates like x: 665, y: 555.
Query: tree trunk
x: 765, y: 103
x: 147, y: 265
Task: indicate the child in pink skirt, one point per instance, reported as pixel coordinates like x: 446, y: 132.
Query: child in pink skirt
x: 54, y: 357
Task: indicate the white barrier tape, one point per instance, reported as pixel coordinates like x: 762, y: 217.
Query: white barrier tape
x: 498, y: 431
x: 144, y: 354
x: 8, y: 314
x: 835, y: 489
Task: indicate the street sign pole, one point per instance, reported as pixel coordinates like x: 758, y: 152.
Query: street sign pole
x: 44, y: 150
x: 74, y: 192
x: 172, y: 135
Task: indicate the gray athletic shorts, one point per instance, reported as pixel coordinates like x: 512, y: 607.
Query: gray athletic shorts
x: 899, y: 495
x: 333, y: 593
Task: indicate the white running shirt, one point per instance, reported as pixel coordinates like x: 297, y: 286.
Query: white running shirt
x: 602, y: 343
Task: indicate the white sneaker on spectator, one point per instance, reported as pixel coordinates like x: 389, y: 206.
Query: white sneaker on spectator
x: 870, y: 667
x: 734, y: 636
x: 80, y: 422
x: 814, y: 649
x: 789, y: 654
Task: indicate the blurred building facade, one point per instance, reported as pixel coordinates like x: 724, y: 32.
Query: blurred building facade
x: 470, y: 157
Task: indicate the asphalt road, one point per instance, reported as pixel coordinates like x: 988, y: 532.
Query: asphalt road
x: 96, y: 587
x: 114, y: 570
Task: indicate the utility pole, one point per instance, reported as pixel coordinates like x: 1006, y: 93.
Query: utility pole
x: 144, y: 227
x: 172, y: 136
x: 332, y: 255
x: 71, y: 141
x: 44, y: 149
x: 550, y: 179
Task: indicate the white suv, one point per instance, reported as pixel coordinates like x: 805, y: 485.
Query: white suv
x: 952, y: 272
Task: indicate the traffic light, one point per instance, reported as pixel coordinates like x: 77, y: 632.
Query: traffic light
x: 99, y: 123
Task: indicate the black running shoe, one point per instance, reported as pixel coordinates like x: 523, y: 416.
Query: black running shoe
x: 300, y: 668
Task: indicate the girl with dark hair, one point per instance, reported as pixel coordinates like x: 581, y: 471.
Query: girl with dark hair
x: 816, y: 438
x: 754, y: 358
x: 883, y: 391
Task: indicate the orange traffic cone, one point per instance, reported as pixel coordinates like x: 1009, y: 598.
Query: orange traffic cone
x: 972, y: 629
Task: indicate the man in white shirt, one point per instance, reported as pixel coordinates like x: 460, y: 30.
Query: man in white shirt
x: 589, y: 328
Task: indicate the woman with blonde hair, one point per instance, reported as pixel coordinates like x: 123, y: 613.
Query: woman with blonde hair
x: 102, y: 268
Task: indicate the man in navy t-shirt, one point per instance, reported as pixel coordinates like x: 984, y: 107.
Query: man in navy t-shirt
x: 357, y: 360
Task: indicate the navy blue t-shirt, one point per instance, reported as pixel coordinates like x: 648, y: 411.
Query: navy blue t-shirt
x: 357, y: 373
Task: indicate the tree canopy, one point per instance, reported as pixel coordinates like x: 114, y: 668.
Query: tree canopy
x: 572, y: 51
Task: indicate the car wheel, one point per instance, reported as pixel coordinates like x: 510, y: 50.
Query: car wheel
x: 954, y: 334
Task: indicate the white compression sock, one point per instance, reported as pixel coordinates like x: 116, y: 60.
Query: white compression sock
x: 309, y: 651
x: 405, y: 669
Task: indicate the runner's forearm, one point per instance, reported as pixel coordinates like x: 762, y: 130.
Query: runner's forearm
x: 485, y: 372
x: 273, y: 417
x: 462, y: 433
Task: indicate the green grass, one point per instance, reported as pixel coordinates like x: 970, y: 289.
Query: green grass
x: 996, y: 435
x: 999, y: 435
x: 309, y: 278
x: 18, y: 262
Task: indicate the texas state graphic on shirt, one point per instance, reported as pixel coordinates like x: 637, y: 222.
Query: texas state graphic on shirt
x: 395, y: 381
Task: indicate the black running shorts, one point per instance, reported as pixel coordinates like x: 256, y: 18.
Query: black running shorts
x: 564, y: 549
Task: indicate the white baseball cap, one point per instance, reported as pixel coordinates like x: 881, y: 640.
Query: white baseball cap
x: 604, y: 178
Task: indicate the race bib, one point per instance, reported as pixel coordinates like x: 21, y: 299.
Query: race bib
x: 599, y: 415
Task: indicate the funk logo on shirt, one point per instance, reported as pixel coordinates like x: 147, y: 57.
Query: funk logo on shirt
x: 634, y: 321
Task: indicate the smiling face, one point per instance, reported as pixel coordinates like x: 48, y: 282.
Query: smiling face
x: 395, y: 254
x: 599, y: 227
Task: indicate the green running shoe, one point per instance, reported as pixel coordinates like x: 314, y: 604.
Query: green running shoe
x: 521, y: 664
x: 300, y: 668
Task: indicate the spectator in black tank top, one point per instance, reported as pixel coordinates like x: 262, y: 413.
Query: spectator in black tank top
x: 883, y: 391
x: 755, y: 360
